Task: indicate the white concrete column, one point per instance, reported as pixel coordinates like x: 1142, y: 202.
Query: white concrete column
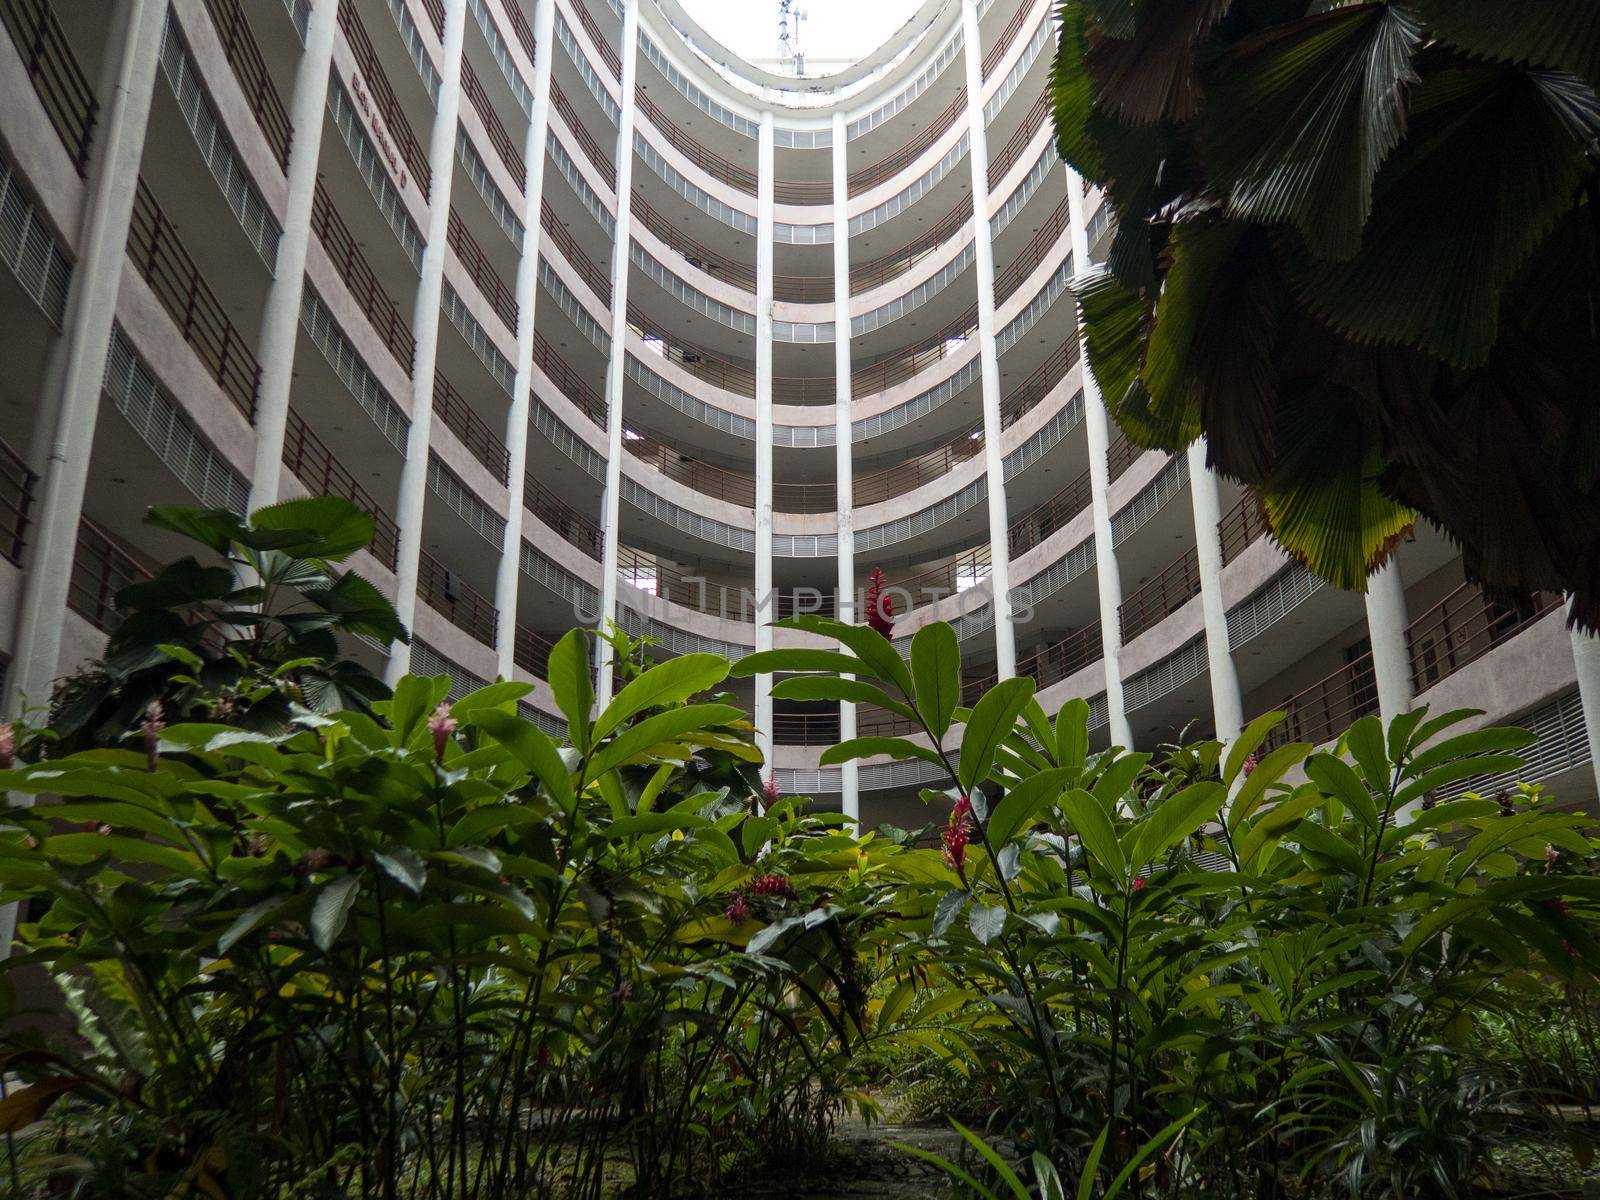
x: 413, y: 493
x: 280, y: 323
x: 509, y: 574
x: 843, y: 436
x: 765, y: 159
x: 1586, y: 657
x: 1096, y: 426
x: 616, y: 372
x: 1005, y: 638
x: 1386, y: 629
x: 1227, y: 706
x: 69, y: 413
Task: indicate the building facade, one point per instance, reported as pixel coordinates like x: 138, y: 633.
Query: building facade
x: 602, y: 323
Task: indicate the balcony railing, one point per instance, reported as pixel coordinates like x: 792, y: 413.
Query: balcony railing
x: 574, y: 528
x: 708, y: 160
x: 314, y: 465
x: 250, y: 69
x: 519, y: 25
x: 1002, y: 162
x: 1042, y: 520
x: 880, y: 270
x: 591, y: 148
x: 389, y: 109
x: 16, y: 503
x: 472, y: 87
x: 802, y: 191
x: 1161, y: 596
x: 898, y: 160
x: 574, y: 386
x: 532, y: 652
x: 1329, y: 707
x: 340, y: 244
x: 1240, y: 526
x: 202, y: 321
x: 1034, y: 253
x: 598, y: 37
x: 1007, y: 35
x: 59, y: 82
x: 1465, y: 626
x: 1121, y: 455
x: 475, y: 434
x: 100, y: 569
x: 713, y: 262
x: 482, y: 270
x: 599, y: 281
x: 689, y: 591
x: 454, y: 599
x: 435, y: 11
x: 1048, y: 664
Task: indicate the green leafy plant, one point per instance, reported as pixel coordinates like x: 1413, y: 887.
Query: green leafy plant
x: 1318, y: 267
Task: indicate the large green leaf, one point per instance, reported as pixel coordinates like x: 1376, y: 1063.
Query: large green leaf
x: 328, y: 527
x: 936, y: 670
x: 331, y: 909
x: 1114, y: 318
x: 1072, y: 94
x: 567, y: 672
x: 993, y: 719
x: 663, y: 728
x: 1150, y: 76
x: 1450, y: 223
x: 1299, y: 118
x: 833, y: 687
x: 1535, y: 33
x: 871, y: 647
x: 869, y: 747
x: 1175, y: 818
x: 797, y: 658
x: 212, y: 527
x: 1093, y: 827
x: 1323, y: 500
x: 666, y: 683
x: 532, y: 748
x: 361, y: 608
x: 1019, y: 805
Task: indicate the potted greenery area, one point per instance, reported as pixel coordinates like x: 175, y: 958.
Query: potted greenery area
x: 394, y: 946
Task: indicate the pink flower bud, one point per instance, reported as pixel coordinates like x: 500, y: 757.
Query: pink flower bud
x: 441, y: 725
x: 155, y: 720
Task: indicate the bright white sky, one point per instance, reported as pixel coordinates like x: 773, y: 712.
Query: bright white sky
x: 833, y: 33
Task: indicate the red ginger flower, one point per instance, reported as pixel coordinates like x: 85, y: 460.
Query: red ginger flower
x: 441, y: 725
x: 771, y: 791
x: 1249, y: 764
x: 880, y: 604
x: 772, y: 885
x: 738, y: 909
x: 957, y: 833
x: 1138, y: 883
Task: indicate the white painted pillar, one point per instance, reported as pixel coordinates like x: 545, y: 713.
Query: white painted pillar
x: 509, y: 573
x: 765, y: 159
x: 1586, y: 657
x: 413, y: 493
x: 616, y: 373
x: 843, y: 436
x: 1227, y: 705
x: 1096, y: 425
x: 127, y: 86
x: 280, y: 323
x: 1386, y: 629
x: 1005, y: 638
x: 70, y: 414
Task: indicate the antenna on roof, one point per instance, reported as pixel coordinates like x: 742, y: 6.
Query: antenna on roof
x: 790, y: 55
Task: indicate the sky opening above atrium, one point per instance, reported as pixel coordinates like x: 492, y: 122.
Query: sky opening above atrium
x: 832, y: 34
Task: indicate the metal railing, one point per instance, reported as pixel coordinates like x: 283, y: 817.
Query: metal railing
x: 250, y: 69
x: 202, y: 321
x: 456, y: 600
x: 314, y: 465
x: 598, y: 280
x: 1328, y: 707
x: 711, y: 261
x: 472, y: 87
x: 598, y: 37
x: 519, y: 25
x: 16, y: 503
x: 1161, y: 596
x: 1240, y: 526
x: 435, y: 11
x: 802, y: 191
x: 475, y: 434
x: 1000, y: 163
x: 389, y: 109
x: 574, y: 528
x: 591, y: 148
x: 531, y: 652
x: 898, y: 160
x: 59, y: 82
x: 393, y: 330
x: 1035, y: 252
x: 101, y: 568
x: 877, y: 271
x: 472, y: 257
x: 1042, y: 520
x: 702, y: 156
x: 1121, y: 455
x: 1007, y: 35
x: 1465, y: 626
x: 1047, y: 664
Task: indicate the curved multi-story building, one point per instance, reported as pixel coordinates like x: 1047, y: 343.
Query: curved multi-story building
x: 600, y: 322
